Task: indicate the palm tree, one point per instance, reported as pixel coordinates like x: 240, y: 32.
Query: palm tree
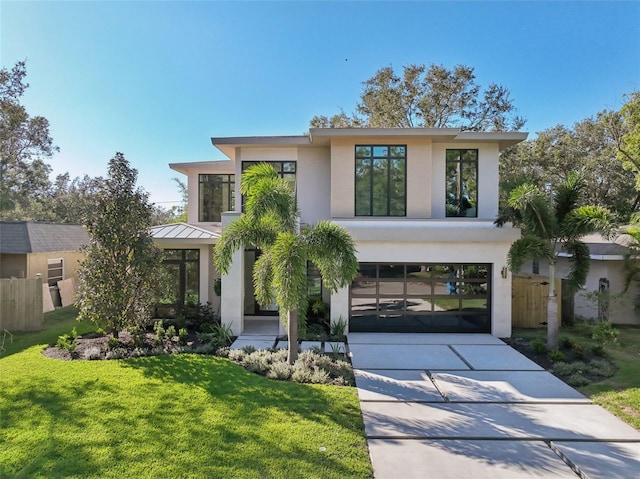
x: 551, y: 223
x: 271, y: 222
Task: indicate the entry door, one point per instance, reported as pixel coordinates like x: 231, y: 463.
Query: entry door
x: 251, y: 305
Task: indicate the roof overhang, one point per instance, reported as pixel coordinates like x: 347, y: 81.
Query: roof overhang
x: 323, y: 137
x: 220, y: 166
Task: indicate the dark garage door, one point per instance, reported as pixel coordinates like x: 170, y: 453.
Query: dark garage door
x: 421, y: 297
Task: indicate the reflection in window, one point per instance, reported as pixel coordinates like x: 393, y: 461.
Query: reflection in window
x: 215, y: 195
x: 462, y: 183
x: 380, y: 177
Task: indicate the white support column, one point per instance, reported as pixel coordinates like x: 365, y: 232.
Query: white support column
x: 232, y: 293
x: 340, y: 306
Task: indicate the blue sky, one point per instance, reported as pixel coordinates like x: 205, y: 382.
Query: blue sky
x: 157, y: 79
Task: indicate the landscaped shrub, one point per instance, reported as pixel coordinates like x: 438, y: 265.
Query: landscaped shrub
x: 315, y: 332
x: 337, y: 329
x: 598, y: 350
x: 92, y: 353
x: 601, y: 367
x: 539, y: 347
x: 302, y: 373
x: 160, y: 332
x: 281, y: 371
x: 170, y: 333
x: 578, y: 351
x: 112, y: 343
x: 65, y: 343
x: 567, y: 369
x: 320, y: 376
x: 604, y: 333
x: 566, y: 342
x: 577, y: 380
x: 116, y: 353
x: 183, y: 336
x: 206, y: 348
x: 556, y: 355
x: 237, y: 355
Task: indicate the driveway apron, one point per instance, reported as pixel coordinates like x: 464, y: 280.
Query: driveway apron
x: 448, y: 406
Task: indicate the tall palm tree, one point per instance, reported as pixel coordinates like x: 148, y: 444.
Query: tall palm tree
x: 271, y: 222
x: 551, y: 223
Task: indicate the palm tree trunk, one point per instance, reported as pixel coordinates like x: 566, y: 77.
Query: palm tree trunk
x: 553, y: 326
x: 292, y: 335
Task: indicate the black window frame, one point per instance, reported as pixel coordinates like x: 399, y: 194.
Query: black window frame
x: 388, y: 158
x: 279, y: 170
x: 460, y: 200
x: 215, y: 216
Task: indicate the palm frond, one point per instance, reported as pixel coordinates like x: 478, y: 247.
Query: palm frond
x: 578, y: 263
x: 240, y: 233
x: 536, y: 216
x: 263, y: 278
x: 332, y: 250
x: 528, y: 248
x: 256, y: 174
x: 288, y: 258
x: 275, y: 199
x: 567, y: 195
x: 586, y: 220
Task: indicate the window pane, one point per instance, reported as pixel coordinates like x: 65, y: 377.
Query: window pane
x: 453, y: 155
x: 418, y: 287
x: 380, y: 192
x: 363, y: 187
x: 469, y: 199
x: 419, y: 305
x: 367, y: 270
x: 391, y: 287
x: 398, y: 151
x: 363, y: 304
x: 363, y: 151
x: 359, y: 288
x: 381, y: 151
x: 392, y: 271
x: 289, y: 167
x: 391, y: 304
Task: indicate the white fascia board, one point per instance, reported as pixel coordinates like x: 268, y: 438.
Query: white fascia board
x: 217, y: 166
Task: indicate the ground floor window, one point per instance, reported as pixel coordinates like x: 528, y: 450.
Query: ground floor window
x: 421, y: 297
x: 181, y: 282
x: 55, y: 271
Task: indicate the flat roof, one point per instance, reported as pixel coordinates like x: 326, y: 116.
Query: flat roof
x: 323, y: 136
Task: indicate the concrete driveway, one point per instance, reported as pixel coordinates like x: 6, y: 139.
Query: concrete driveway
x: 468, y: 406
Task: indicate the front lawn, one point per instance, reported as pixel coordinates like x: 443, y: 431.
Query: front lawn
x: 185, y: 416
x: 619, y: 393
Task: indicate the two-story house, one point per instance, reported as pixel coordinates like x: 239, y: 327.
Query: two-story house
x: 419, y: 203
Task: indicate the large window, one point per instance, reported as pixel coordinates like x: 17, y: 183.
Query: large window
x: 429, y: 297
x: 216, y: 194
x: 181, y: 282
x: 381, y: 180
x: 462, y: 183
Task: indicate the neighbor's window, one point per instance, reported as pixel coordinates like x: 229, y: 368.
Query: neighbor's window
x: 215, y: 195
x: 381, y: 180
x: 462, y: 183
x: 55, y: 271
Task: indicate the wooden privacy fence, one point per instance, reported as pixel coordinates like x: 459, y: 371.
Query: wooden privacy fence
x: 529, y: 294
x: 21, y: 304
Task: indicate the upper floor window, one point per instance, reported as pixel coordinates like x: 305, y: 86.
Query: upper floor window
x: 215, y: 195
x: 462, y: 183
x: 381, y: 180
x: 285, y: 169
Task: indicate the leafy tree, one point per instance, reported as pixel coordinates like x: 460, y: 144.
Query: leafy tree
x: 551, y: 223
x: 120, y: 273
x: 547, y: 160
x: 24, y: 142
x: 631, y: 266
x: 433, y: 97
x: 271, y: 223
x: 624, y: 129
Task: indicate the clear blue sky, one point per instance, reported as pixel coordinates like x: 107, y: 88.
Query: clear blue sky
x: 157, y: 79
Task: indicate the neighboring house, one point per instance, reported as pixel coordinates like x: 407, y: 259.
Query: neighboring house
x: 419, y: 202
x: 50, y: 251
x: 606, y: 275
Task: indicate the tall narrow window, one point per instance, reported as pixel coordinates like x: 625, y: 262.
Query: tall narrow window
x: 381, y: 180
x: 216, y: 194
x: 462, y: 183
x: 55, y: 271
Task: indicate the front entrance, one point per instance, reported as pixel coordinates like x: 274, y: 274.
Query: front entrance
x: 251, y: 306
x: 425, y: 298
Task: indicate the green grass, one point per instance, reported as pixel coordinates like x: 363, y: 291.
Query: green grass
x: 184, y: 416
x: 56, y: 323
x: 620, y: 393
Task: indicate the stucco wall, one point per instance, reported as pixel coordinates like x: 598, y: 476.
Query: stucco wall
x: 38, y: 263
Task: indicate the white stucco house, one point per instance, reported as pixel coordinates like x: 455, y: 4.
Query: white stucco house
x: 420, y: 204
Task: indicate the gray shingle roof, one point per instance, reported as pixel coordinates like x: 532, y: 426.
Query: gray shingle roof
x: 20, y: 237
